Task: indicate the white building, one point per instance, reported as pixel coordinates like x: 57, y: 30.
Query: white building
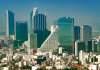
x: 82, y: 57
x: 76, y: 48
x: 51, y: 43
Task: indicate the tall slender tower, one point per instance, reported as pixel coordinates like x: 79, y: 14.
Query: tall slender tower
x: 33, y: 13
x: 40, y: 28
x: 38, y: 31
x: 31, y: 36
x: 76, y: 33
x: 10, y: 24
x: 86, y: 34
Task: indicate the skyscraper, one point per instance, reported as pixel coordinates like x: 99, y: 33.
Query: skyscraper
x: 10, y: 23
x: 65, y: 33
x: 86, y: 33
x: 39, y: 30
x: 90, y: 46
x: 76, y: 33
x: 32, y: 37
x: 39, y: 23
x: 21, y: 31
x: 33, y: 13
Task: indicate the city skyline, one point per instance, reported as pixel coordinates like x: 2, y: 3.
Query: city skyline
x: 84, y: 11
x: 49, y: 35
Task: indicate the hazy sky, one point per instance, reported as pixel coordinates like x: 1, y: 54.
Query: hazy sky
x: 84, y: 11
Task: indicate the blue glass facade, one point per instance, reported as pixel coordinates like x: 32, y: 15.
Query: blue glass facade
x: 21, y: 31
x: 10, y: 23
x: 39, y: 22
x: 41, y: 37
x: 76, y: 33
x: 65, y: 33
x: 40, y: 28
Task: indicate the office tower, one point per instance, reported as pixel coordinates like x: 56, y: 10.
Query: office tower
x: 39, y: 23
x: 90, y: 45
x: 65, y: 33
x: 32, y: 37
x: 86, y: 33
x: 10, y: 23
x: 40, y: 29
x: 21, y: 31
x: 32, y: 14
x: 76, y: 33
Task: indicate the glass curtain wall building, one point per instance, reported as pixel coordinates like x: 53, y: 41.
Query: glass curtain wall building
x: 10, y: 23
x: 76, y: 33
x: 65, y: 33
x: 21, y: 31
x: 40, y: 29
